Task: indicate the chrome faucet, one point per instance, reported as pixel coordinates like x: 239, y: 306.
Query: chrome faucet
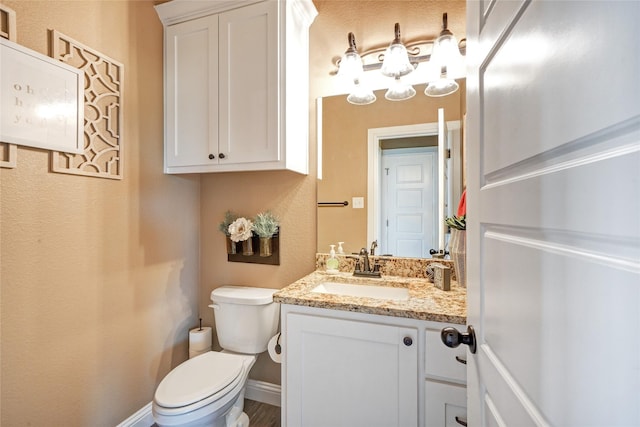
x: 363, y: 266
x: 364, y: 260
x: 374, y: 245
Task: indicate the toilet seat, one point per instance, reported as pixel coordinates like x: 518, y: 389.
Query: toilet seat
x: 199, y: 382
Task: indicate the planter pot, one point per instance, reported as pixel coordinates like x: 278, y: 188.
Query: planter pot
x: 265, y: 246
x: 231, y: 246
x: 458, y: 252
x: 247, y: 247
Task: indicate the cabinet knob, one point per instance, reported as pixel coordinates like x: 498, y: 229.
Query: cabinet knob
x: 461, y: 421
x: 407, y: 341
x: 211, y: 157
x: 461, y: 360
x: 451, y: 337
x: 221, y: 155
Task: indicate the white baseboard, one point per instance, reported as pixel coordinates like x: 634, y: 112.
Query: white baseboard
x: 260, y: 391
x: 142, y: 418
x: 264, y: 392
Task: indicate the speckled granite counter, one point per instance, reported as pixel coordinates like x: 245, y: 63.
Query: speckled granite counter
x: 426, y: 302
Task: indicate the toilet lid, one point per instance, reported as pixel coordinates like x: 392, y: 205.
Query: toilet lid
x: 198, y: 378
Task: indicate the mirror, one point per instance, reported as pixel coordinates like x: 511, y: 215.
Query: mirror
x: 356, y: 144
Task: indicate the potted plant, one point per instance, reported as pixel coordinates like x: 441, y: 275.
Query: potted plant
x: 458, y: 246
x: 229, y: 217
x: 265, y: 225
x: 240, y: 231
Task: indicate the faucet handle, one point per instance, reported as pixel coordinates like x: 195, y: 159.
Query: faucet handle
x: 363, y: 251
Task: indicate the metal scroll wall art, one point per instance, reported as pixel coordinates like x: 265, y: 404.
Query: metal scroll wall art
x: 102, y: 155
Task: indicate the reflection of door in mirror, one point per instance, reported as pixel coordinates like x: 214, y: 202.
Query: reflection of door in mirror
x: 423, y: 227
x: 345, y: 156
x: 409, y: 201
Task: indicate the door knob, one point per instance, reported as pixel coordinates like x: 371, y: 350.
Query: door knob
x: 451, y: 337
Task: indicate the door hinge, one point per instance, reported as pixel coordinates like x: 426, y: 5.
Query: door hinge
x: 448, y: 155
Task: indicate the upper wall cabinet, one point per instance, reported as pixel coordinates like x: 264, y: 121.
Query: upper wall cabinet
x: 236, y: 85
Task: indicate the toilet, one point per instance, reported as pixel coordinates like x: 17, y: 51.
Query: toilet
x: 208, y: 390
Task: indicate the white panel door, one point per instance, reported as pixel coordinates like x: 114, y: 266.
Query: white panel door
x: 409, y: 207
x: 249, y: 84
x: 344, y: 373
x: 553, y: 198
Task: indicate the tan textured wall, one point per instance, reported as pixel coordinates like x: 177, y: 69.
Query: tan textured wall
x: 99, y: 277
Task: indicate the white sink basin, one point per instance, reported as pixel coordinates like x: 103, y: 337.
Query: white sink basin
x: 362, y: 291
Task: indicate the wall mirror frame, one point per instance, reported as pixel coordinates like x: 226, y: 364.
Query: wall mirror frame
x: 349, y: 140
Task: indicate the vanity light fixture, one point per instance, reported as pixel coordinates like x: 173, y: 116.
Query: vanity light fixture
x: 446, y: 52
x: 396, y: 64
x: 441, y: 66
x: 351, y: 70
x: 445, y: 60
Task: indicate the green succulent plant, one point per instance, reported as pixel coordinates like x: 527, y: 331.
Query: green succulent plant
x: 265, y: 224
x: 457, y: 222
x: 229, y: 217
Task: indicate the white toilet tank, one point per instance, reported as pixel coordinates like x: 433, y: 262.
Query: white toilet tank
x: 246, y: 318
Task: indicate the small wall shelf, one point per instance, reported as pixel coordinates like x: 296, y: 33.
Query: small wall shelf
x: 273, y: 259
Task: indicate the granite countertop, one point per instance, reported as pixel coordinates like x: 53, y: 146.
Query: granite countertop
x: 426, y: 302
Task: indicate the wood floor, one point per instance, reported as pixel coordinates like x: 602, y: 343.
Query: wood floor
x: 260, y: 414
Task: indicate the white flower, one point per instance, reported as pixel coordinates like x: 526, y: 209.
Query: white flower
x: 240, y: 229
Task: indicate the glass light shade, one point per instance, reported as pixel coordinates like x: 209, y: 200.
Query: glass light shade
x: 428, y: 71
x: 441, y: 87
x: 361, y: 95
x: 396, y: 61
x: 350, y: 66
x: 399, y: 91
x: 446, y: 53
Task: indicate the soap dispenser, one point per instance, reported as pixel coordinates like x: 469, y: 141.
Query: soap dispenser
x: 332, y: 262
x: 340, y: 249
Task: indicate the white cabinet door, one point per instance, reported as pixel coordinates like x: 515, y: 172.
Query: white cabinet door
x: 249, y: 84
x: 191, y: 107
x: 445, y: 404
x: 444, y: 363
x: 350, y: 373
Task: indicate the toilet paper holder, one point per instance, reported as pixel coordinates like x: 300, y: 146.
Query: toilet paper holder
x: 278, y: 347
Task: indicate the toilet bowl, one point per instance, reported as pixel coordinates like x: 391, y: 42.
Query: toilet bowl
x: 208, y: 390
x: 189, y: 397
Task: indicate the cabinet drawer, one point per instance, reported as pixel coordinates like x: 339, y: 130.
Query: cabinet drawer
x: 445, y: 404
x: 440, y: 360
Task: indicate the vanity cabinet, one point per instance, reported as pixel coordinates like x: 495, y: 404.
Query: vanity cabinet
x: 356, y: 369
x: 445, y: 392
x: 236, y: 85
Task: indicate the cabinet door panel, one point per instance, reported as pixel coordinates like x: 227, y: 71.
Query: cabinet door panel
x: 349, y: 373
x: 192, y: 92
x: 443, y: 403
x: 440, y: 360
x: 249, y: 84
